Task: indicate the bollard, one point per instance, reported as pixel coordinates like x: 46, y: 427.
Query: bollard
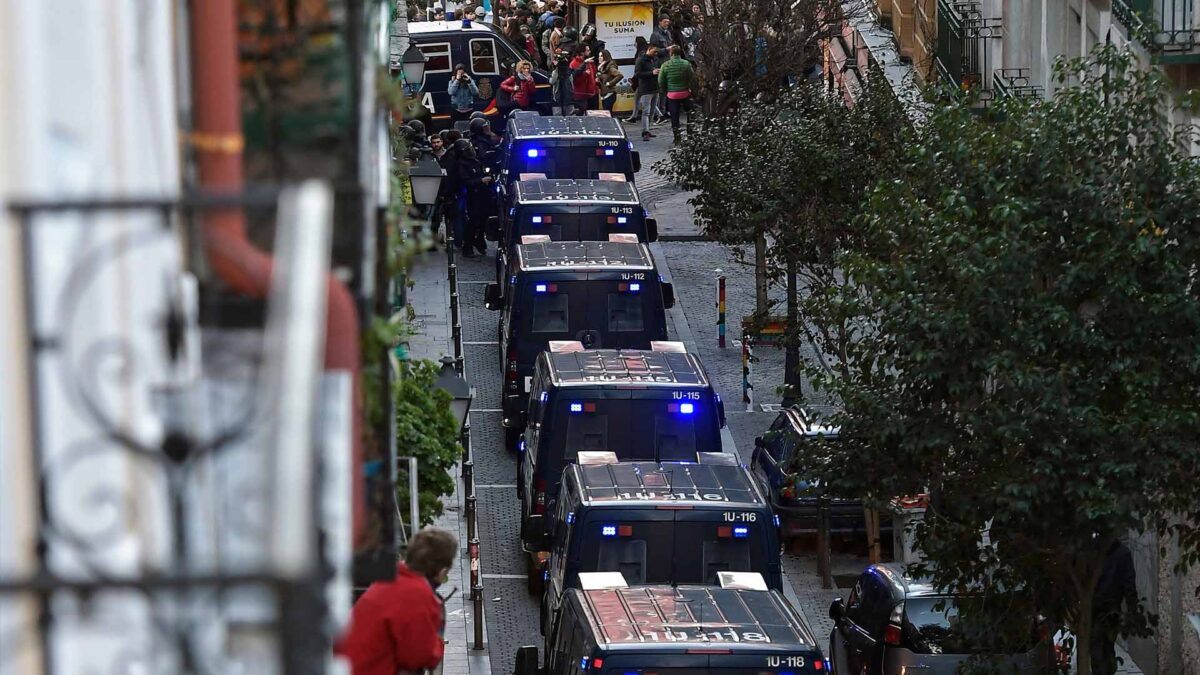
x: 473, y: 549
x: 720, y: 309
x: 477, y: 611
x: 823, y: 561
x: 747, y: 388
x: 472, y: 515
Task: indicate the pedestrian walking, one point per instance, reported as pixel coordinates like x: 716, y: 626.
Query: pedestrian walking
x: 463, y: 91
x: 397, y: 626
x: 1115, y: 594
x: 640, y: 44
x: 608, y: 76
x: 645, y: 74
x: 677, y: 79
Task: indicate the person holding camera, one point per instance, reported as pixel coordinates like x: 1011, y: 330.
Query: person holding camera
x: 463, y: 92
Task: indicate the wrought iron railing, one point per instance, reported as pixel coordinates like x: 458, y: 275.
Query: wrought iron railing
x: 1169, y: 26
x: 963, y: 58
x: 150, y: 563
x: 1015, y: 83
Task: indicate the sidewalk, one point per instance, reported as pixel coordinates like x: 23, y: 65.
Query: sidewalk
x: 430, y: 299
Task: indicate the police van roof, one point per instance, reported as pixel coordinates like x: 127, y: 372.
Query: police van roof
x: 538, y: 126
x: 694, y: 616
x: 718, y: 486
x: 577, y: 255
x: 591, y: 367
x: 423, y: 27
x: 576, y: 190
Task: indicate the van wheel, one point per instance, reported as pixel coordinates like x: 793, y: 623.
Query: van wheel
x: 511, y: 438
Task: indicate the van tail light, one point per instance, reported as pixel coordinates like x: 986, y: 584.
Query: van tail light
x: 539, y: 496
x: 818, y: 664
x: 512, y: 381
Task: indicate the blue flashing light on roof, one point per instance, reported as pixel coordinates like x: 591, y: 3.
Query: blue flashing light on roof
x: 622, y: 220
x: 544, y: 396
x: 583, y: 663
x: 537, y: 220
x: 532, y: 152
x: 687, y: 408
x: 608, y: 152
x: 635, y: 287
x: 521, y: 448
x: 741, y: 531
x: 570, y: 517
x: 776, y: 520
x: 630, y: 145
x: 576, y: 407
x: 608, y: 530
x: 511, y: 209
x: 540, y: 288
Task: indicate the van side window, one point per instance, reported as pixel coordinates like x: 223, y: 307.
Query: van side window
x: 483, y: 57
x: 438, y: 57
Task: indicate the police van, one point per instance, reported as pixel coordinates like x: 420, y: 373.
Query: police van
x: 738, y: 627
x: 601, y: 293
x: 570, y: 210
x: 488, y: 55
x: 659, y: 523
x: 651, y: 405
x: 564, y: 147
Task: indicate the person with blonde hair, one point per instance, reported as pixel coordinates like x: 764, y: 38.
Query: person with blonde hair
x: 397, y: 626
x: 521, y: 86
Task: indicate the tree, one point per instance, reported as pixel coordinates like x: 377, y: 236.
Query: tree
x: 792, y: 174
x: 1027, y: 287
x: 426, y: 429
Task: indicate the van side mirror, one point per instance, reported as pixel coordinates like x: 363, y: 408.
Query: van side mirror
x: 492, y: 229
x: 491, y: 297
x: 837, y: 612
x: 668, y: 293
x: 637, y: 160
x: 758, y: 442
x: 651, y: 229
x: 527, y: 661
x: 721, y: 411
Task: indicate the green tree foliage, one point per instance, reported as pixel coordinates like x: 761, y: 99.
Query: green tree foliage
x: 792, y: 174
x: 1028, y: 287
x: 427, y: 430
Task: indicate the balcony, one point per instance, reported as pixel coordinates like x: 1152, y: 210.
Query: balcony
x: 1169, y: 28
x: 963, y: 56
x: 1015, y: 83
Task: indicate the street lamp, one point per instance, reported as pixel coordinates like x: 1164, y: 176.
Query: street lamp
x: 412, y: 64
x: 450, y: 381
x: 426, y: 178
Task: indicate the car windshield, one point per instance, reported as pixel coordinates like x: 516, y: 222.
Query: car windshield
x: 932, y: 625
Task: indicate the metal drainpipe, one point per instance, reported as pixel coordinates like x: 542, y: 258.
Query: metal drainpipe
x: 218, y: 142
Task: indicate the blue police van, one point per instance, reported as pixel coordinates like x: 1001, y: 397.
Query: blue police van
x: 659, y: 523
x: 564, y: 147
x: 488, y: 55
x: 739, y: 627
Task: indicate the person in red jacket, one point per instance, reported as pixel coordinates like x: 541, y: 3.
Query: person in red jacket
x: 397, y: 626
x: 522, y: 86
x: 584, y: 81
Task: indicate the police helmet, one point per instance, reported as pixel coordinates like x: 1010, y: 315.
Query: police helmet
x: 417, y: 126
x: 479, y: 124
x: 477, y: 115
x: 570, y: 34
x: 464, y: 148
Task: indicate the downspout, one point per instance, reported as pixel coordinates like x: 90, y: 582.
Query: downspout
x: 218, y: 142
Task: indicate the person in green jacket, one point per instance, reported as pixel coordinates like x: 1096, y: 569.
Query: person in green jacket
x: 676, y: 77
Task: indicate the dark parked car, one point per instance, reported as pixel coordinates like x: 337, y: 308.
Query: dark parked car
x: 892, y: 624
x: 793, y: 496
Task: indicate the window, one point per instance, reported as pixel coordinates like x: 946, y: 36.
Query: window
x: 627, y: 556
x: 483, y: 57
x: 625, y: 313
x: 724, y: 555
x: 549, y: 313
x: 438, y: 57
x: 675, y: 438
x: 587, y: 432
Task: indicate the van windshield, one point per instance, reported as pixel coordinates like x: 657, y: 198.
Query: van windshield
x: 591, y: 225
x: 621, y: 314
x: 582, y: 159
x: 673, y: 552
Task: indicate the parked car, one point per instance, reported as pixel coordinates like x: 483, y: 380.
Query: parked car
x: 794, y: 496
x: 892, y: 624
